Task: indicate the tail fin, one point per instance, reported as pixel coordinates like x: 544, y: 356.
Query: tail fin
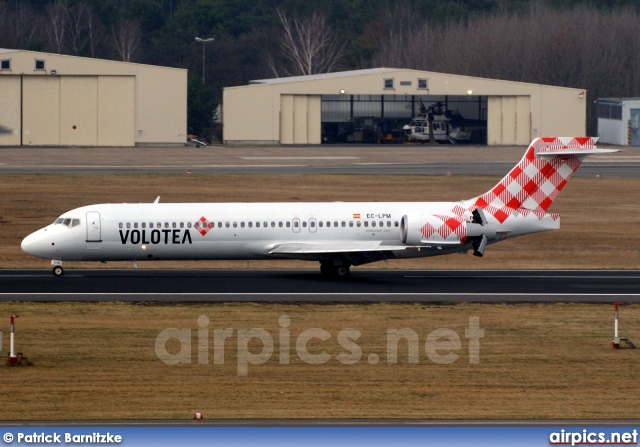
x: 534, y: 183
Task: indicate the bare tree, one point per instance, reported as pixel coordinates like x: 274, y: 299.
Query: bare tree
x: 57, y: 22
x: 309, y: 44
x: 80, y: 17
x: 126, y: 38
x: 93, y: 31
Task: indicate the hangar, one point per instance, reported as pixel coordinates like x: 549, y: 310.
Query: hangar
x: 354, y: 106
x: 59, y: 100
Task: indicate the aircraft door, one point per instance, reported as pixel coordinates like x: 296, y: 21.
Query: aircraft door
x: 313, y: 226
x: 94, y: 233
x: 296, y: 225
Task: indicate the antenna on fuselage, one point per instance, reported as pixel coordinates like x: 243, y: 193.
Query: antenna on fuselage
x: 157, y: 200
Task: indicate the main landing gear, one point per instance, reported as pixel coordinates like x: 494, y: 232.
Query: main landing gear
x: 329, y: 268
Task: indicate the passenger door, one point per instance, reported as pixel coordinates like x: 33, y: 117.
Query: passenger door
x: 94, y: 233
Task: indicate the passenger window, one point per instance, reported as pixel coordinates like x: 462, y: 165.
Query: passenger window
x: 320, y: 224
x: 235, y: 225
x: 196, y: 225
x: 173, y: 225
x: 166, y: 224
x: 219, y: 224
x: 273, y: 224
x: 188, y: 224
x: 128, y: 225
x: 266, y: 224
x: 304, y: 224
x: 328, y: 224
x: 395, y: 224
x: 241, y: 224
x: 388, y: 223
x: 288, y: 224
x: 120, y: 225
x: 144, y: 225
x: 335, y: 224
x: 257, y: 224
x: 280, y: 224
x: 344, y: 224
x: 381, y: 223
x: 150, y: 224
x: 135, y: 225
x: 295, y: 224
x: 373, y: 224
x: 226, y: 224
x: 366, y: 224
x: 159, y: 225
x: 181, y: 224
x: 358, y: 224
x: 351, y: 223
x: 313, y: 224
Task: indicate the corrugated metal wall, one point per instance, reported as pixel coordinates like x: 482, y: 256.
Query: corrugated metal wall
x: 300, y: 119
x: 508, y: 120
x: 69, y: 110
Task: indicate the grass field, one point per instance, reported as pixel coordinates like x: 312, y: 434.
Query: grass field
x: 98, y: 361
x: 599, y: 224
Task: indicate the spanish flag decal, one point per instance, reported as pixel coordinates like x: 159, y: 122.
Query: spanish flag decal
x: 356, y: 216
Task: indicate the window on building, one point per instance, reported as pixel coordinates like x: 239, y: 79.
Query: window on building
x: 39, y: 64
x: 388, y: 83
x: 5, y: 64
x: 423, y: 84
x: 609, y: 111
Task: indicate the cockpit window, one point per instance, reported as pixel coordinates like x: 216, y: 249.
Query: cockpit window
x: 67, y: 221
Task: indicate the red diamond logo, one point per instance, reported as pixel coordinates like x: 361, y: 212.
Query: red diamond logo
x: 202, y: 226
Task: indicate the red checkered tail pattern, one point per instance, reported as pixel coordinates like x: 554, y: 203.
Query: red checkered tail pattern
x: 545, y: 169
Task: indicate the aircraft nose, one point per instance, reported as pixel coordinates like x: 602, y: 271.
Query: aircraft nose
x: 34, y: 245
x: 28, y: 244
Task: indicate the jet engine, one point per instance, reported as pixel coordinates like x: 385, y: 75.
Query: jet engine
x: 434, y: 229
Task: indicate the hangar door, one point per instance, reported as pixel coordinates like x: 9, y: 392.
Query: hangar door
x: 508, y: 120
x: 300, y: 117
x: 9, y: 110
x: 76, y: 110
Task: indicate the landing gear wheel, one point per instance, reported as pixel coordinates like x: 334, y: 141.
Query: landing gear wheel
x: 58, y: 271
x: 341, y: 271
x: 335, y: 271
x: 325, y: 268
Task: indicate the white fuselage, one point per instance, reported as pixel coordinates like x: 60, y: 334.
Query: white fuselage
x: 195, y: 231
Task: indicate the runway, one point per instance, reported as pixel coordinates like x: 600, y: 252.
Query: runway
x: 323, y: 159
x: 363, y: 286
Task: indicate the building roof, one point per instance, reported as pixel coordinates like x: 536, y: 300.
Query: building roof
x: 315, y: 77
x: 618, y: 99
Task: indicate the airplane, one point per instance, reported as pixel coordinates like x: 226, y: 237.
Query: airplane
x: 338, y: 235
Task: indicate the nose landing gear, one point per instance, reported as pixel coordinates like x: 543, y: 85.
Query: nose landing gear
x: 57, y: 268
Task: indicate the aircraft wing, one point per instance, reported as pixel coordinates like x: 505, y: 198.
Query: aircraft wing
x: 333, y: 247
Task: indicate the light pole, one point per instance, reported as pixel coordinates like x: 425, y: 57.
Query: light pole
x: 203, y: 41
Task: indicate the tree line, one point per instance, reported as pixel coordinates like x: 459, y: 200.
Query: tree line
x: 591, y: 44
